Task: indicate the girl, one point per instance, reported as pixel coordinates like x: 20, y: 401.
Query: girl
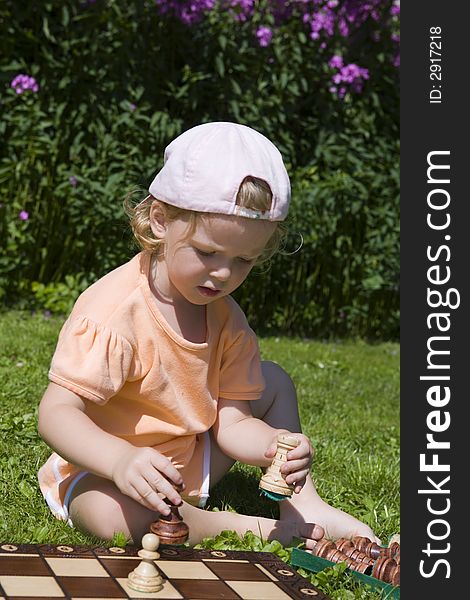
x: 156, y: 385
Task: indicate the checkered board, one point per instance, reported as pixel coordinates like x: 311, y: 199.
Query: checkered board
x: 30, y: 571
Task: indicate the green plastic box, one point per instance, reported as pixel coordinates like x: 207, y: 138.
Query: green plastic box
x: 309, y: 562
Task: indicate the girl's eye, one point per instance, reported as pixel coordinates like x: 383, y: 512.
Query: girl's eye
x: 203, y: 253
x: 246, y: 261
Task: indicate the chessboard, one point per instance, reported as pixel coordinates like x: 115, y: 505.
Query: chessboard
x: 30, y: 571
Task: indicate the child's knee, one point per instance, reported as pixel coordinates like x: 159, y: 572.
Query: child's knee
x: 276, y: 377
x: 104, y: 511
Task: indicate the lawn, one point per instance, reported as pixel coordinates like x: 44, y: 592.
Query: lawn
x: 349, y: 403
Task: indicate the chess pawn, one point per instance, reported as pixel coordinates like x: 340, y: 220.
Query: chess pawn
x: 272, y: 483
x: 145, y: 577
x: 171, y: 529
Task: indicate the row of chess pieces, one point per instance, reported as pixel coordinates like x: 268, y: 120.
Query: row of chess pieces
x: 364, y: 556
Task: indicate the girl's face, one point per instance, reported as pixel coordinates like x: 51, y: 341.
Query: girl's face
x: 212, y: 260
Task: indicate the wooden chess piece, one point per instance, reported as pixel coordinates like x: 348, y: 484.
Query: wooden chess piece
x: 367, y: 546
x: 384, y: 569
x: 393, y: 550
x: 395, y: 576
x: 145, y: 577
x: 346, y: 546
x: 272, y: 483
x: 327, y: 549
x: 171, y: 529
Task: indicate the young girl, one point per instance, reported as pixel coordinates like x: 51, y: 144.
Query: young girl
x: 156, y: 385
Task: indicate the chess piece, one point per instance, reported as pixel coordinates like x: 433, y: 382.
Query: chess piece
x: 272, y: 483
x: 346, y: 546
x: 395, y: 576
x: 145, y: 577
x: 327, y: 549
x: 393, y: 550
x: 385, y: 569
x: 367, y: 546
x: 171, y: 529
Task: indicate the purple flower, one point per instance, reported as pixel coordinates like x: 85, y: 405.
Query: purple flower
x: 352, y: 75
x: 23, y: 82
x: 73, y: 181
x: 336, y: 62
x: 132, y: 106
x: 264, y: 35
x: 187, y: 11
x: 24, y: 216
x: 241, y: 10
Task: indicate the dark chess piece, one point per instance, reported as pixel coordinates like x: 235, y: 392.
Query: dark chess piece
x: 367, y: 546
x: 327, y: 549
x: 171, y: 529
x: 346, y: 546
x: 385, y: 569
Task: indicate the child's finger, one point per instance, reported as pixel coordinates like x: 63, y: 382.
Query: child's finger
x: 166, y: 479
x: 311, y: 531
x: 271, y: 451
x: 159, y: 483
x: 293, y: 466
x: 145, y: 495
x: 298, y: 477
x: 303, y: 449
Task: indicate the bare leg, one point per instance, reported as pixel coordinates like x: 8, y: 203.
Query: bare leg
x: 99, y: 508
x: 278, y: 407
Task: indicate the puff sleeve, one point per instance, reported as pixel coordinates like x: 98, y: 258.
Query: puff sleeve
x: 90, y: 359
x: 240, y: 373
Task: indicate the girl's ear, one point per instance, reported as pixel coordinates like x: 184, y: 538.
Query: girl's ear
x: 158, y: 220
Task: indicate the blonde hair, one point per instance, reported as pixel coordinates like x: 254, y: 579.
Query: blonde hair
x: 254, y: 194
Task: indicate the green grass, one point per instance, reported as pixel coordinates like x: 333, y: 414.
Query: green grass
x: 349, y: 405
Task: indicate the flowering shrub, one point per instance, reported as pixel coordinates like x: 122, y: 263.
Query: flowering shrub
x: 322, y: 18
x: 97, y: 89
x: 21, y: 83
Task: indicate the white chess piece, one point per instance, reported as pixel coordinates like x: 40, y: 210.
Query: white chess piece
x: 145, y: 577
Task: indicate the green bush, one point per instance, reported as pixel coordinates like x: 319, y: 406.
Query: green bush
x: 118, y: 81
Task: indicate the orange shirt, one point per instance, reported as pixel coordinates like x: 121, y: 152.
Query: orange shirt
x: 146, y: 384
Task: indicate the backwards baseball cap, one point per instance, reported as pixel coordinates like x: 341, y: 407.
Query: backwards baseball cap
x: 205, y: 166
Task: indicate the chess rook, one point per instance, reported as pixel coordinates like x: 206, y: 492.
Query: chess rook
x: 273, y: 481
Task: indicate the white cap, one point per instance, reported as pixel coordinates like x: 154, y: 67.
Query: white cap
x: 205, y: 166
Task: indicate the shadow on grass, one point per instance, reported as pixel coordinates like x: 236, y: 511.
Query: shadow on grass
x: 238, y: 490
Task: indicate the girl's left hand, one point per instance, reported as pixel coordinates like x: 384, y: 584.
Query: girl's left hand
x: 299, y: 461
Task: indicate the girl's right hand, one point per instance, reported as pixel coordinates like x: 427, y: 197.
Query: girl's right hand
x: 143, y: 474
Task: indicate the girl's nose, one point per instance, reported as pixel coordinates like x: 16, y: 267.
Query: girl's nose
x: 222, y: 272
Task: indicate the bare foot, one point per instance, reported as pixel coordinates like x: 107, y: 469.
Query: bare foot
x: 204, y: 524
x: 309, y: 507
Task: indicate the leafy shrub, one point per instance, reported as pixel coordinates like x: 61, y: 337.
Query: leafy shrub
x: 92, y: 92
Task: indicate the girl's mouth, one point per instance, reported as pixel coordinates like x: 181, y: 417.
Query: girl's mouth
x: 206, y: 291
